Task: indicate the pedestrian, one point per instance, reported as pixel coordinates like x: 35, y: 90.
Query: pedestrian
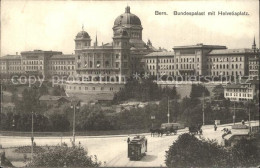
x: 128, y: 139
x: 243, y: 122
x: 215, y: 127
x: 24, y: 157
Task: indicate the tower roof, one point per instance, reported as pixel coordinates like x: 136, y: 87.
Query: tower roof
x: 127, y: 18
x: 82, y: 34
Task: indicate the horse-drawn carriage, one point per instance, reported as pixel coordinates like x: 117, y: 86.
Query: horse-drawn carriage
x: 166, y: 128
x: 195, y: 129
x: 137, y: 148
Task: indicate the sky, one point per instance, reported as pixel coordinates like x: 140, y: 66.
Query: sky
x: 53, y: 25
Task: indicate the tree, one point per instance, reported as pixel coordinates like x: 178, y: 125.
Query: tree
x: 245, y: 153
x: 59, y: 122
x: 218, y: 92
x: 62, y: 156
x: 198, y: 90
x: 58, y: 91
x: 189, y: 151
x: 43, y: 90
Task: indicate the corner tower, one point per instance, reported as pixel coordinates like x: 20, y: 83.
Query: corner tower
x: 82, y: 40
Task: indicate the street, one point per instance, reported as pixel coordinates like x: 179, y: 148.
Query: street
x: 112, y: 150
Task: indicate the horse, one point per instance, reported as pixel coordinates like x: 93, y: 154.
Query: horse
x: 159, y: 131
x: 153, y: 131
x: 195, y: 129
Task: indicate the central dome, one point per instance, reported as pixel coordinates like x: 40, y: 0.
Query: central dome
x: 127, y: 18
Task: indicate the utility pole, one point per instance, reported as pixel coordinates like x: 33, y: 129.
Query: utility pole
x: 249, y: 119
x: 168, y: 115
x: 74, y: 106
x: 32, y: 138
x: 234, y: 116
x: 74, y: 124
x: 203, y: 110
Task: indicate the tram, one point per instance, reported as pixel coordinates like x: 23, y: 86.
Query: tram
x: 137, y: 148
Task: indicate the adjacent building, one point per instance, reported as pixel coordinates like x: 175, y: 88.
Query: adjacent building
x: 37, y: 61
x: 159, y: 63
x: 240, y: 92
x: 206, y: 60
x: 11, y: 64
x: 229, y: 62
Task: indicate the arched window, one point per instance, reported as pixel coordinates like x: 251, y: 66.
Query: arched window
x: 236, y: 66
x: 224, y: 66
x: 232, y: 66
x: 90, y: 64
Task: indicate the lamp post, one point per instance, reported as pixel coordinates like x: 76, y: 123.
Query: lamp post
x: 168, y: 115
x: 74, y: 107
x: 203, y: 108
x: 32, y: 138
x: 234, y: 116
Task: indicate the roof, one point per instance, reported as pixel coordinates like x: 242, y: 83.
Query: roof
x: 40, y: 51
x: 231, y: 51
x: 236, y: 86
x: 68, y: 56
x: 127, y: 18
x: 11, y: 57
x: 200, y: 45
x: 159, y: 54
x: 254, y: 59
x: 82, y: 34
x: 87, y: 97
x: 49, y: 97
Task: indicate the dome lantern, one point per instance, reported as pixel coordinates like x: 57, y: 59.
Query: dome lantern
x: 127, y: 9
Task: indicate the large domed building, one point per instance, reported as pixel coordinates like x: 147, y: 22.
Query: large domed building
x: 100, y: 65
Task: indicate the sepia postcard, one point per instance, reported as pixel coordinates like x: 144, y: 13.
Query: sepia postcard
x: 129, y: 83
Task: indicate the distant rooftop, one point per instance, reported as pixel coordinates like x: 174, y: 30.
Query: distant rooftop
x: 11, y: 57
x: 155, y: 54
x: 68, y: 56
x: 200, y: 45
x: 40, y: 51
x: 231, y: 51
x: 237, y: 86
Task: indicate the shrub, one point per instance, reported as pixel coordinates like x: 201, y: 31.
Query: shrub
x: 61, y: 156
x: 27, y: 149
x: 246, y: 153
x: 188, y: 151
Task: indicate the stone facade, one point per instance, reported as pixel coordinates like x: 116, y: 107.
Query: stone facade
x: 11, y: 64
x: 37, y: 61
x: 207, y: 60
